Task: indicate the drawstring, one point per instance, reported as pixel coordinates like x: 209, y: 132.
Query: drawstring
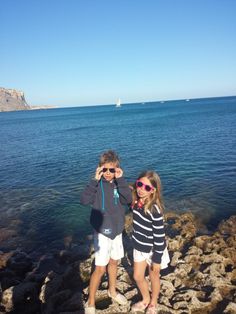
x: 103, y: 198
x: 116, y: 196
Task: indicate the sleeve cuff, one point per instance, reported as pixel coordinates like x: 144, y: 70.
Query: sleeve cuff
x: 94, y: 182
x: 120, y: 180
x: 156, y: 258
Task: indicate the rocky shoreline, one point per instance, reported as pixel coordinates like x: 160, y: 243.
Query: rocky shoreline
x: 201, y: 278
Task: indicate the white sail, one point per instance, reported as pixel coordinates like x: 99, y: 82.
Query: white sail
x: 118, y: 104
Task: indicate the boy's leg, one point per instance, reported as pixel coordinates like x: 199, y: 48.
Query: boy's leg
x: 139, y: 277
x: 101, y: 246
x: 155, y: 284
x: 112, y: 273
x: 116, y: 253
x: 94, y: 283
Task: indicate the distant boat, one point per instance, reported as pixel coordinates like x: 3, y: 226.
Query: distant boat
x: 162, y: 102
x: 118, y: 104
x: 187, y: 99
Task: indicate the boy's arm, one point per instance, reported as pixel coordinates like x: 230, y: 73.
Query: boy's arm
x: 158, y: 237
x: 87, y: 197
x: 124, y: 191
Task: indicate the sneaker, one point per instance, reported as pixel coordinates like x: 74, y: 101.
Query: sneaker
x: 89, y: 309
x: 119, y: 298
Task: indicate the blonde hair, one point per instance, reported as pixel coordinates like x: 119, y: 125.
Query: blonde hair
x: 109, y: 156
x: 155, y: 198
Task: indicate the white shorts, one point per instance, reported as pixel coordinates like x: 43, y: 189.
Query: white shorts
x: 106, y: 248
x: 141, y: 256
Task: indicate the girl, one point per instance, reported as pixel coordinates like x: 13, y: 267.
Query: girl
x: 148, y: 239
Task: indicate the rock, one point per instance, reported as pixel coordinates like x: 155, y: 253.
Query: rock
x: 55, y: 302
x: 21, y: 298
x: 47, y: 264
x: 73, y: 304
x: 167, y: 289
x: 228, y: 226
x: 20, y: 263
x: 7, y: 299
x: 230, y: 309
x: 176, y: 259
x: 11, y: 100
x: 52, y: 284
x: 201, y: 277
x: 229, y: 253
x: 4, y: 257
x: 6, y: 234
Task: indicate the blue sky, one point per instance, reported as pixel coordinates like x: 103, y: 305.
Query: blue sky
x: 72, y: 52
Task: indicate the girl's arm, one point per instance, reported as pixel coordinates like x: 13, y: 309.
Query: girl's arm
x: 159, y: 242
x: 87, y: 197
x: 124, y: 190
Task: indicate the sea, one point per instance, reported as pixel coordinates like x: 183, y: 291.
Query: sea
x: 48, y: 156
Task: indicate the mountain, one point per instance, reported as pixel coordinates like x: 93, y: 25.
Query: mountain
x: 11, y: 100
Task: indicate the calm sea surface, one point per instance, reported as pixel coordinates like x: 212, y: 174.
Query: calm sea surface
x: 48, y: 156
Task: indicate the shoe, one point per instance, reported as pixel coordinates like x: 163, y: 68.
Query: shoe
x: 119, y: 298
x: 152, y: 309
x: 89, y: 309
x: 139, y: 307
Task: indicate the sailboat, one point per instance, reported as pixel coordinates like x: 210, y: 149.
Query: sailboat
x: 118, y: 104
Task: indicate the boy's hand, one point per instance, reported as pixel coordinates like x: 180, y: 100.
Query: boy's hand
x: 118, y: 173
x: 98, y: 173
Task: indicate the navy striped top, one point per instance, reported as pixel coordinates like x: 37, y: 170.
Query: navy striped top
x: 148, y: 232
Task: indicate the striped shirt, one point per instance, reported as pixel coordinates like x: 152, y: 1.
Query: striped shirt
x: 148, y: 232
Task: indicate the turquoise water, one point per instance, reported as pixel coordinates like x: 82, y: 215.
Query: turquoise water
x: 47, y: 157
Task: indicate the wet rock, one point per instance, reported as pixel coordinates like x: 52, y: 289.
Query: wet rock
x: 21, y: 298
x: 20, y: 263
x: 6, y: 234
x: 51, y: 285
x: 4, y: 257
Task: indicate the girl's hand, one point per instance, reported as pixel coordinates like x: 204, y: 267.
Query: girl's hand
x: 118, y: 173
x: 155, y: 267
x: 98, y: 173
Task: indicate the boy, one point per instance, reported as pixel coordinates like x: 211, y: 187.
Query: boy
x: 107, y: 193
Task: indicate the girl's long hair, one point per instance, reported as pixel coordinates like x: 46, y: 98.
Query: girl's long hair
x: 155, y: 197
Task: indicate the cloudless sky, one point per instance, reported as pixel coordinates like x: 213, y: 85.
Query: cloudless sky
x: 74, y: 52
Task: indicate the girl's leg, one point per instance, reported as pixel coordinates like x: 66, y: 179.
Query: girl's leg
x: 112, y: 273
x: 139, y: 277
x: 94, y: 283
x: 154, y: 275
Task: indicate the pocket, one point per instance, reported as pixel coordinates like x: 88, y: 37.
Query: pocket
x: 106, y: 226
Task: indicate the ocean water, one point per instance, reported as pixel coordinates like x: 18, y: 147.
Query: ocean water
x: 48, y: 156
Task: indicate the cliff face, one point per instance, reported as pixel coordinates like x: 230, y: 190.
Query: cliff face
x: 11, y: 100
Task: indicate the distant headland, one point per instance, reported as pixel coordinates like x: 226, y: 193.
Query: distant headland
x: 13, y: 100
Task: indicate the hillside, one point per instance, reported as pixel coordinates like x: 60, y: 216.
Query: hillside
x: 11, y: 100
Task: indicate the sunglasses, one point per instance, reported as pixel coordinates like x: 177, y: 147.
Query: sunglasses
x: 111, y: 170
x: 147, y: 187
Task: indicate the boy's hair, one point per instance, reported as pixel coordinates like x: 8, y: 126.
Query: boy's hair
x: 156, y: 197
x: 109, y: 156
